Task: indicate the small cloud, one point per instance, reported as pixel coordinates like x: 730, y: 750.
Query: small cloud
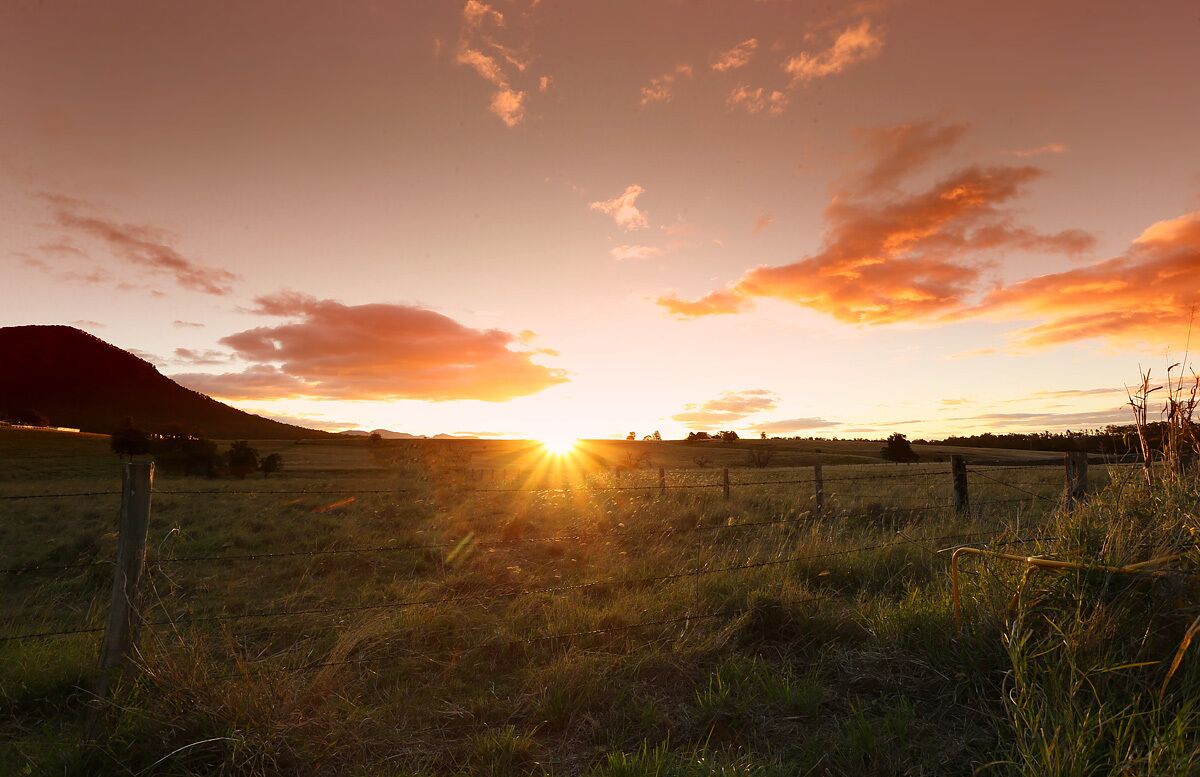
x: 661, y: 88
x: 1049, y: 148
x: 736, y: 57
x: 794, y: 425
x: 763, y: 222
x: 729, y: 407
x: 853, y: 45
x: 187, y: 324
x: 623, y: 208
x: 722, y: 301
x: 632, y: 252
x: 205, y: 357
x: 757, y: 100
x: 544, y: 83
x: 509, y: 106
x: 87, y: 323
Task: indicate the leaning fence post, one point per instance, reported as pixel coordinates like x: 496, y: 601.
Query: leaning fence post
x: 962, y: 498
x: 1077, y: 477
x: 662, y: 481
x: 136, y: 483
x: 818, y: 490
x: 725, y: 481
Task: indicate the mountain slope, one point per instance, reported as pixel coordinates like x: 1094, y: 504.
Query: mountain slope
x: 78, y: 380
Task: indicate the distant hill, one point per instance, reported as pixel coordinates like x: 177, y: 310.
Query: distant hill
x: 78, y: 380
x: 386, y: 434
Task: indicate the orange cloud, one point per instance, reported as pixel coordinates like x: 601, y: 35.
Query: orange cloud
x: 729, y: 407
x: 623, y: 208
x: 763, y: 222
x: 480, y: 49
x: 714, y: 303
x: 1146, y: 295
x: 757, y: 100
x: 853, y: 45
x: 794, y: 425
x: 374, y: 351
x: 889, y: 256
x: 137, y: 244
x: 1049, y: 148
x: 736, y: 57
x: 661, y: 88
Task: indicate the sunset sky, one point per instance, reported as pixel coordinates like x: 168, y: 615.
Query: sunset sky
x: 519, y: 218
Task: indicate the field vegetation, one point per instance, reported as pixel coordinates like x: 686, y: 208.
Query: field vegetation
x: 486, y: 607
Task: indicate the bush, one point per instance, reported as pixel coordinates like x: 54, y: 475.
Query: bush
x: 271, y: 464
x: 130, y: 441
x: 241, y: 459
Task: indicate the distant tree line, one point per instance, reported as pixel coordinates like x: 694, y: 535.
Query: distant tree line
x: 179, y: 452
x: 1117, y: 440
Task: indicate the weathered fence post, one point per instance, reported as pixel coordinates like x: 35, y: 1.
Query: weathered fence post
x: 725, y: 481
x: 662, y: 481
x: 962, y: 498
x: 136, y: 483
x: 1077, y: 477
x: 818, y: 490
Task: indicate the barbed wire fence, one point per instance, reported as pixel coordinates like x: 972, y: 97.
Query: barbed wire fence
x: 126, y: 616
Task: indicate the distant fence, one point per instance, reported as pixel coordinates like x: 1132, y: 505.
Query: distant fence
x: 124, y: 614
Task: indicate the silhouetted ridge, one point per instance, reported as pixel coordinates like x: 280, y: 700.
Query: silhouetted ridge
x: 79, y: 380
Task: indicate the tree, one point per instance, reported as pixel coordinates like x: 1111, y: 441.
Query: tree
x: 129, y: 441
x: 694, y: 436
x: 242, y: 459
x: 375, y: 438
x: 27, y: 417
x: 271, y: 463
x: 727, y: 436
x: 898, y: 449
x: 631, y: 436
x: 759, y: 457
x: 657, y: 436
x: 762, y: 435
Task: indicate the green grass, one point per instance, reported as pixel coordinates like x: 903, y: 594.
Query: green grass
x: 837, y: 663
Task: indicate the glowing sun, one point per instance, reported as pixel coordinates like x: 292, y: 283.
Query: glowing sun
x: 558, y: 444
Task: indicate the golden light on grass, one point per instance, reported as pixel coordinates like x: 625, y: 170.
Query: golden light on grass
x: 558, y: 444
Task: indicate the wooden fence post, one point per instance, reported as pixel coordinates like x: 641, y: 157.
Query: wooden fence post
x: 136, y: 483
x: 818, y: 490
x: 962, y: 498
x: 1077, y: 477
x: 725, y: 481
x: 662, y: 481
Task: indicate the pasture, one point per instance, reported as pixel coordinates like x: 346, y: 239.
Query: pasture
x: 486, y: 607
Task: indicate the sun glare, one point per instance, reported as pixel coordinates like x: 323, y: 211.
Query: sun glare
x: 558, y: 444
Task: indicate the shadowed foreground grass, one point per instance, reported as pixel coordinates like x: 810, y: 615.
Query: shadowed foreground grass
x: 680, y: 634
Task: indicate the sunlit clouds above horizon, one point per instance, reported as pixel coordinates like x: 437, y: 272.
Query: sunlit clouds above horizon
x: 559, y: 220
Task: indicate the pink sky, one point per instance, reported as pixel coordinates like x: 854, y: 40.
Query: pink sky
x: 525, y: 217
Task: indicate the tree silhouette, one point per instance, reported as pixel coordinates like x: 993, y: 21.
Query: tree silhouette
x: 898, y: 449
x: 27, y: 417
x: 242, y: 459
x: 271, y: 463
x: 631, y: 436
x: 129, y: 441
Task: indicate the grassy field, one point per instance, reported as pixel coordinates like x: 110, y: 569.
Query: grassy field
x: 481, y: 607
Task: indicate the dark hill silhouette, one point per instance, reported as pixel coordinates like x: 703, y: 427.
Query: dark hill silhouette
x: 78, y: 380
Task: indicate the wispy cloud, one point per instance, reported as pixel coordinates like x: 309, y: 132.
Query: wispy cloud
x: 1049, y: 148
x: 851, y: 46
x: 661, y: 88
x: 757, y: 99
x: 729, y: 407
x: 139, y: 245
x: 736, y: 57
x: 624, y: 253
x: 763, y: 222
x: 793, y: 425
x: 482, y: 48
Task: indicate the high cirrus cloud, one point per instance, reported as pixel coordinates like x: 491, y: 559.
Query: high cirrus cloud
x: 889, y: 256
x: 137, y: 244
x: 1146, y: 295
x: 852, y: 45
x: 661, y: 88
x: 736, y: 57
x: 728, y: 407
x: 481, y: 47
x: 373, y: 351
